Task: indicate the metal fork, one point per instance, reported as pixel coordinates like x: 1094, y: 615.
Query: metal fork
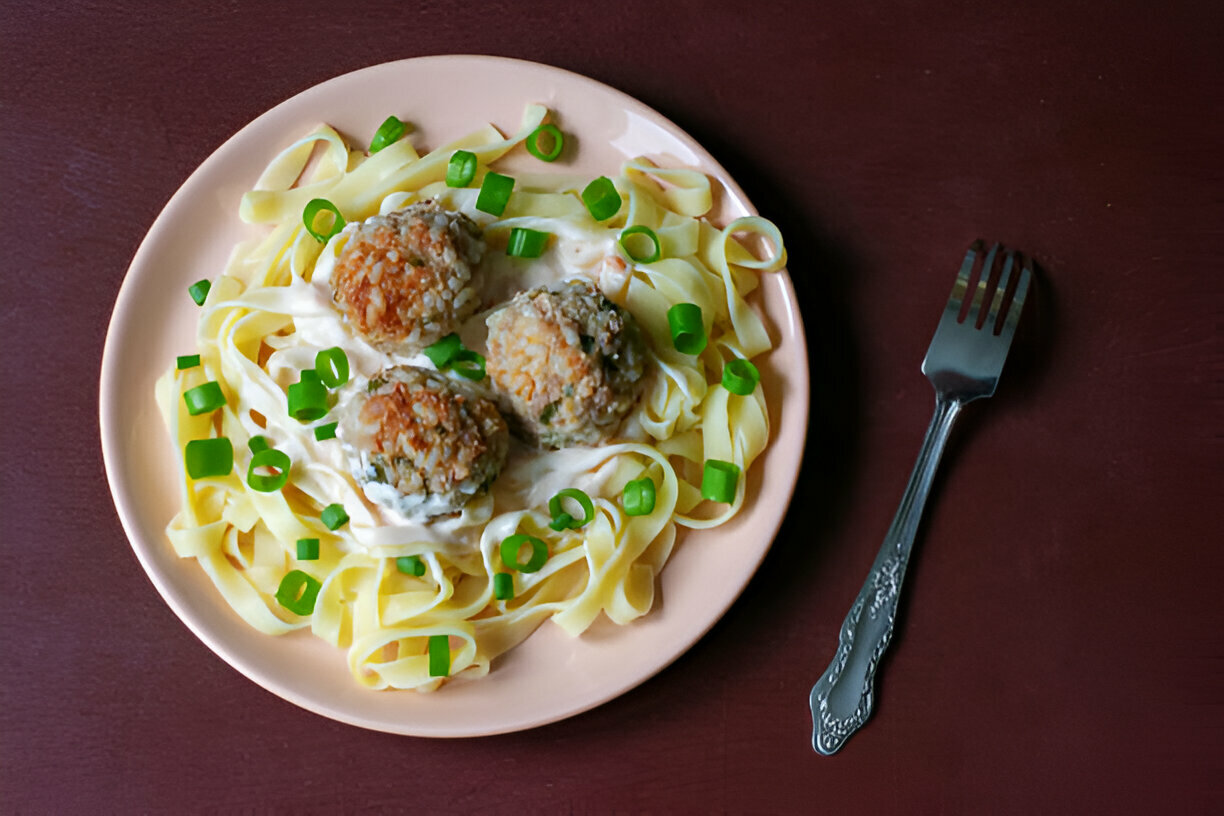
x: 963, y: 364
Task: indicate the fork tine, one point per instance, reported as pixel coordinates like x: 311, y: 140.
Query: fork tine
x: 1017, y: 304
x: 996, y: 302
x: 979, y: 292
x: 962, y: 279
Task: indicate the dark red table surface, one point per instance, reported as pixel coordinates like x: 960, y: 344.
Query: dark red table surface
x: 1060, y: 646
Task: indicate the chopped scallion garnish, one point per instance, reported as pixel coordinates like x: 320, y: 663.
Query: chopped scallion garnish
x: 718, y: 480
x: 510, y: 547
x: 563, y: 520
x: 461, y: 169
x: 311, y: 212
x: 494, y: 193
x: 648, y: 257
x: 204, y: 398
x: 332, y: 366
x: 687, y: 330
x: 740, y: 376
x: 187, y: 361
x: 410, y: 565
x: 258, y: 443
x: 209, y: 457
x: 439, y: 656
x: 526, y: 243
x: 308, y: 398
x: 533, y: 142
x: 443, y: 351
x: 601, y: 199
x: 640, y: 497
x: 388, y: 133
x: 503, y: 586
x: 334, y: 517
x: 308, y: 549
x: 199, y: 291
x: 271, y: 459
x: 468, y: 364
x: 298, y: 592
x: 327, y: 431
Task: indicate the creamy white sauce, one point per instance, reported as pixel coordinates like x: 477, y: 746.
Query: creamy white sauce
x: 530, y: 476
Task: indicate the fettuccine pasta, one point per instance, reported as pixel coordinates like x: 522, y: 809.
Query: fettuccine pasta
x: 268, y: 315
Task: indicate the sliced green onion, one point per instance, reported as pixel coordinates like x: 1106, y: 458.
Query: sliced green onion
x: 334, y: 517
x: 187, y: 361
x: 209, y: 457
x: 327, y: 431
x: 503, y: 586
x: 656, y: 250
x: 274, y: 460
x: 510, y: 551
x: 439, y: 655
x: 533, y: 142
x: 461, y: 169
x: 740, y: 376
x: 687, y: 330
x: 718, y: 480
x: 410, y: 565
x: 601, y: 199
x: 257, y: 443
x: 312, y: 210
x: 468, y: 364
x: 308, y: 549
x: 388, y: 133
x: 204, y: 398
x: 199, y: 291
x: 298, y: 592
x: 526, y: 243
x: 640, y: 497
x: 443, y: 351
x: 308, y: 398
x: 332, y: 366
x: 564, y: 521
x: 494, y: 193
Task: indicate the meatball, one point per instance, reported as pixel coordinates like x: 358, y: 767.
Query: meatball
x: 405, y: 279
x: 421, y: 443
x: 568, y: 364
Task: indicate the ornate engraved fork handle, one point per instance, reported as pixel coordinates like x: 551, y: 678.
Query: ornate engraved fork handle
x: 842, y: 699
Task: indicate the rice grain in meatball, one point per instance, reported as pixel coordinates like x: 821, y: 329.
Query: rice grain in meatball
x: 405, y: 279
x: 569, y: 364
x: 421, y: 443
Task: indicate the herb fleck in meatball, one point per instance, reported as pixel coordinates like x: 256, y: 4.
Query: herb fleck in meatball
x: 421, y: 443
x: 405, y: 279
x: 568, y: 363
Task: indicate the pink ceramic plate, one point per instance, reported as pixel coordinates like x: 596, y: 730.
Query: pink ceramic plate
x: 550, y: 676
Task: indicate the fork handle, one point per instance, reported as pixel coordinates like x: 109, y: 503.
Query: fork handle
x: 843, y: 697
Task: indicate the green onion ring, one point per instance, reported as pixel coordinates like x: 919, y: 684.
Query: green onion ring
x: 312, y: 210
x: 601, y: 198
x: 388, y: 133
x: 269, y: 458
x: 526, y: 243
x: 629, y: 232
x: 410, y: 565
x: 494, y: 193
x: 687, y: 330
x: 444, y: 350
x: 564, y: 521
x: 257, y: 443
x: 332, y: 366
x: 503, y: 586
x: 209, y: 457
x: 533, y: 142
x: 199, y: 291
x: 204, y: 398
x: 439, y: 655
x: 640, y: 497
x: 461, y: 169
x: 327, y: 431
x: 468, y: 364
x: 740, y: 376
x: 719, y: 480
x: 334, y: 517
x: 510, y: 551
x: 186, y: 361
x: 298, y: 592
x: 308, y: 398
x: 308, y: 549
